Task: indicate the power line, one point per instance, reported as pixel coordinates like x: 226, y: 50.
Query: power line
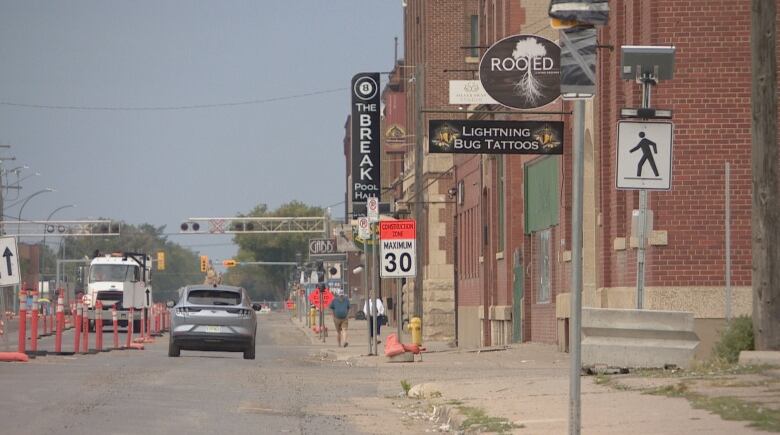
x: 169, y: 108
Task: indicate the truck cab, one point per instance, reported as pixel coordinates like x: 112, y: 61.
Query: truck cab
x: 121, y: 281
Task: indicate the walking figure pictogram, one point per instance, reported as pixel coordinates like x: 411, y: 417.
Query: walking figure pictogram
x: 647, y: 155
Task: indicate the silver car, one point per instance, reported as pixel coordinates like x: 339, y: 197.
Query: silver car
x: 213, y: 318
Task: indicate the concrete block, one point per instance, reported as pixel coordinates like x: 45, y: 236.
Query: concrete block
x: 759, y: 357
x: 404, y: 357
x: 637, y: 338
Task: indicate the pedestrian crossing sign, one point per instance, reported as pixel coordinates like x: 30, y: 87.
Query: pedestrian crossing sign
x: 644, y: 155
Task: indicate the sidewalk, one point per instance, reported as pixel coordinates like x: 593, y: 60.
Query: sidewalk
x: 520, y: 389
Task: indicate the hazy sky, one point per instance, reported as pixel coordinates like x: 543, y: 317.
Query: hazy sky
x: 162, y: 166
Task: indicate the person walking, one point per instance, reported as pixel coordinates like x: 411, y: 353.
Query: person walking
x: 368, y: 308
x: 340, y: 307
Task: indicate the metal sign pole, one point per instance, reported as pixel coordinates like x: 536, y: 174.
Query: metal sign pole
x: 728, y: 242
x: 374, y: 287
x: 322, y: 315
x: 642, y: 234
x: 398, y: 307
x: 367, y: 264
x: 575, y: 325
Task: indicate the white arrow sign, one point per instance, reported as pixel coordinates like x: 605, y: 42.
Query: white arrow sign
x: 9, y: 265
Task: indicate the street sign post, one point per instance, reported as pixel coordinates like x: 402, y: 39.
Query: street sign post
x: 372, y: 207
x: 644, y: 155
x: 398, y: 243
x: 364, y: 228
x: 9, y: 265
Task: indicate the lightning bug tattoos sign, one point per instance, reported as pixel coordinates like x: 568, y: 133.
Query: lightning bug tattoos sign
x: 495, y: 137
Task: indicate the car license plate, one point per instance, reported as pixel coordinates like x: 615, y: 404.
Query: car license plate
x: 213, y: 329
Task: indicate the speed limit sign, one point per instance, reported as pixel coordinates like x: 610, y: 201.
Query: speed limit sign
x: 398, y: 248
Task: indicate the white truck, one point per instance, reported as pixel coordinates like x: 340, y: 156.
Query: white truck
x: 122, y: 280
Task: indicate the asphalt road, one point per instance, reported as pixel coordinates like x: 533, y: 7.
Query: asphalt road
x: 287, y: 389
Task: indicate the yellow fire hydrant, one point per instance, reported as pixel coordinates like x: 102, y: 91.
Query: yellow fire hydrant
x: 312, y: 317
x: 415, y: 327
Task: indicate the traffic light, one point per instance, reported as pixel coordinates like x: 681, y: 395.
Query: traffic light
x: 204, y: 263
x: 320, y: 272
x: 160, y: 260
x: 229, y: 263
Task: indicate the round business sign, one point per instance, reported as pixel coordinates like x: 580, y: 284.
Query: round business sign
x: 522, y: 71
x: 365, y: 88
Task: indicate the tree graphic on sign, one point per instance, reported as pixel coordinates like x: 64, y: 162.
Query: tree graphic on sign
x: 528, y: 86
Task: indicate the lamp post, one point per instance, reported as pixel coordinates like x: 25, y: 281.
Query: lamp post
x: 19, y: 231
x: 19, y: 219
x: 46, y: 230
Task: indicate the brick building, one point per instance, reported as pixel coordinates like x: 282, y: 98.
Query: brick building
x: 435, y: 34
x: 517, y: 242
x: 494, y: 231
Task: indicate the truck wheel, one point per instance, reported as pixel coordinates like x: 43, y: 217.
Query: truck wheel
x: 249, y: 352
x: 173, y: 350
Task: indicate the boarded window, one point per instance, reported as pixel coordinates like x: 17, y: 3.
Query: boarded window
x: 542, y: 195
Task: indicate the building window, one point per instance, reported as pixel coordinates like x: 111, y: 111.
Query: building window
x: 543, y: 266
x: 474, y: 42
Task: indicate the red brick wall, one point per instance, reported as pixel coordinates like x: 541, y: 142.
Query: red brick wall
x: 469, y: 224
x: 710, y: 96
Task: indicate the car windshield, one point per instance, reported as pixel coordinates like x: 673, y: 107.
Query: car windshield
x: 214, y: 297
x: 110, y: 272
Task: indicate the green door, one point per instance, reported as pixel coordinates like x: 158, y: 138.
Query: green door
x: 517, y: 299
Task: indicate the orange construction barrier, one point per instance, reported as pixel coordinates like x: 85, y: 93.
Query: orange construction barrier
x: 34, y: 324
x: 22, y: 321
x: 116, y: 327
x: 143, y: 322
x: 392, y: 346
x: 60, y: 323
x: 130, y: 328
x: 85, y: 329
x: 77, y: 325
x: 13, y: 357
x: 99, y: 326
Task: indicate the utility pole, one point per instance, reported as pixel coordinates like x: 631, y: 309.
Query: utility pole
x: 419, y: 88
x: 766, y: 198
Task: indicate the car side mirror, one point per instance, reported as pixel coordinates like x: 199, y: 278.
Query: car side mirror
x: 170, y: 304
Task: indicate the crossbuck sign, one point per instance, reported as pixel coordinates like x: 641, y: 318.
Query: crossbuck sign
x: 398, y: 248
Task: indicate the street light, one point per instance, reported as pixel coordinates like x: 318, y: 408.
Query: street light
x: 46, y: 230
x: 19, y: 219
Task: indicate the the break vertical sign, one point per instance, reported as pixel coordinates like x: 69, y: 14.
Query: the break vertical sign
x: 365, y: 136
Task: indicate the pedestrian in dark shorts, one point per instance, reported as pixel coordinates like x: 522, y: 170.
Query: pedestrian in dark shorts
x: 340, y: 307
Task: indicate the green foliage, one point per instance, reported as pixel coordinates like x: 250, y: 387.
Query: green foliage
x: 270, y: 282
x: 478, y: 421
x: 406, y: 386
x: 738, y: 336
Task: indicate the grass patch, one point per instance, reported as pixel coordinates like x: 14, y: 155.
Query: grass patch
x: 738, y: 336
x: 406, y: 386
x: 731, y: 408
x: 478, y: 420
x: 728, y: 408
x: 454, y: 402
x: 675, y: 390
